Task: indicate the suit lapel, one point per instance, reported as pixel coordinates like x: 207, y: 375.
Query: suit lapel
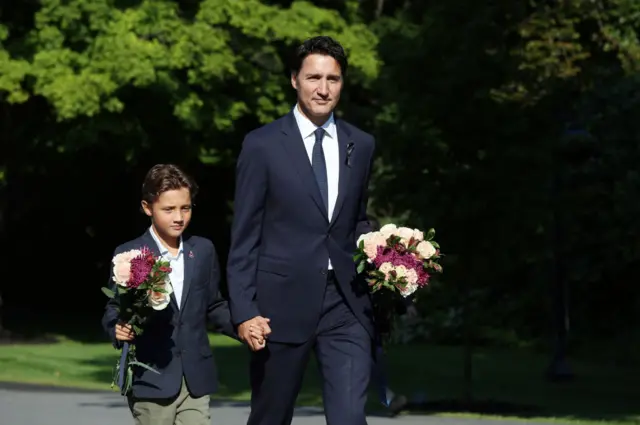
x: 344, y: 139
x: 190, y: 257
x: 149, y: 242
x: 299, y: 159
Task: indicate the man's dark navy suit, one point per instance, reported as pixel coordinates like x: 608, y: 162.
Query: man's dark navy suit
x: 282, y: 239
x: 175, y: 339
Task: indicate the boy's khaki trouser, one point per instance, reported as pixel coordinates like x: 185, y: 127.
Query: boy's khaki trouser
x: 180, y: 410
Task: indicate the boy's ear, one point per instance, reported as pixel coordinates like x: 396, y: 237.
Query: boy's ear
x: 146, y: 208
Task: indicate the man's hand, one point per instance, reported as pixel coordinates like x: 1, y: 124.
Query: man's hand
x: 258, y: 335
x: 254, y: 332
x: 124, y: 332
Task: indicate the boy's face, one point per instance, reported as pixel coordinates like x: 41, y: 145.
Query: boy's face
x: 170, y: 213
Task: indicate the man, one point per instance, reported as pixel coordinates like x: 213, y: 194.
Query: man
x: 301, y: 199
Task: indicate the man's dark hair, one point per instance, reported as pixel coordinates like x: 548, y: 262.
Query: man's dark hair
x: 164, y: 177
x: 321, y: 45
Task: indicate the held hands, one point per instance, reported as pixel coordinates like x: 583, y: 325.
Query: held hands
x: 254, y: 332
x: 124, y: 332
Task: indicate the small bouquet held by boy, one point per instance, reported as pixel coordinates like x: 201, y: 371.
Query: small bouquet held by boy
x: 397, y: 262
x: 143, y: 286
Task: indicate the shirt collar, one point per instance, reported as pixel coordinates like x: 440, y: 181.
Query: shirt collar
x: 163, y: 249
x: 307, y: 128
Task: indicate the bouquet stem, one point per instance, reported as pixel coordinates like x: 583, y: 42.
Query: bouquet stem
x: 123, y: 376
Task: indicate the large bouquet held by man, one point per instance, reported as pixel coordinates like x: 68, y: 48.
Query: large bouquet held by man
x: 397, y: 262
x: 142, y: 284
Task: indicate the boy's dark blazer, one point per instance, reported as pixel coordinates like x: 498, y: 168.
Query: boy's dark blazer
x: 175, y: 341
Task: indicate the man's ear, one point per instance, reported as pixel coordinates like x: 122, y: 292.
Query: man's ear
x: 294, y: 80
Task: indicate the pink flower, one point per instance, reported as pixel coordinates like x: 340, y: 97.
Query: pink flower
x: 141, y: 267
x: 372, y: 242
x: 122, y: 266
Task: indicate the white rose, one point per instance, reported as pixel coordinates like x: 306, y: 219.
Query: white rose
x: 418, y: 235
x: 426, y: 250
x: 411, y: 279
x: 409, y: 289
x: 160, y: 300
x: 388, y: 230
x: 364, y: 237
x: 386, y: 268
x: 405, y: 234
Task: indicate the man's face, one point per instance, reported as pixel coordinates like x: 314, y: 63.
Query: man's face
x: 318, y: 84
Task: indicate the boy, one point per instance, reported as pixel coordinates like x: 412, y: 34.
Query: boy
x: 175, y: 341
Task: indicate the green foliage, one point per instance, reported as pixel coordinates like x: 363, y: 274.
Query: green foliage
x: 85, y: 55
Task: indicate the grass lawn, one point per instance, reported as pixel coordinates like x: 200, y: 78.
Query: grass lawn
x: 508, y: 376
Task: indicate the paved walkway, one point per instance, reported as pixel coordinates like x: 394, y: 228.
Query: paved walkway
x: 21, y: 405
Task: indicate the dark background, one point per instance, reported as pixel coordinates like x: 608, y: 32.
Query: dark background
x: 510, y: 128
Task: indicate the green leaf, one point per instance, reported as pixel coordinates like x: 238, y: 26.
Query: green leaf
x: 129, y: 380
x: 142, y: 365
x: 435, y: 244
x: 361, y: 267
x: 108, y: 292
x: 430, y: 234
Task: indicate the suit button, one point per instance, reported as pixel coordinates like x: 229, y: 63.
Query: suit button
x: 323, y: 272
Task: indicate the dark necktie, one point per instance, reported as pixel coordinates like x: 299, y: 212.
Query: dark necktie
x: 320, y: 167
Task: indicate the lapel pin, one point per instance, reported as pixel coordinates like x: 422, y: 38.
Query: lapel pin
x: 191, y: 254
x: 350, y: 147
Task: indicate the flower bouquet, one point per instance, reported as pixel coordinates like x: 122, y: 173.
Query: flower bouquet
x: 141, y: 286
x: 397, y: 262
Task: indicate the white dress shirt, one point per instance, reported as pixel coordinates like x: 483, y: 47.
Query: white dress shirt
x: 331, y: 151
x: 176, y: 263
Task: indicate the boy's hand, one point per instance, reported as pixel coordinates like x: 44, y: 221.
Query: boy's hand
x: 124, y: 332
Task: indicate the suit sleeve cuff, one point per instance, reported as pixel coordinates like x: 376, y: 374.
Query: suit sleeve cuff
x: 239, y: 316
